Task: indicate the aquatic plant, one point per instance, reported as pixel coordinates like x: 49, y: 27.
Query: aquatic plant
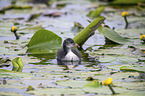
x: 142, y: 37
x: 125, y: 14
x: 14, y: 30
x: 109, y: 82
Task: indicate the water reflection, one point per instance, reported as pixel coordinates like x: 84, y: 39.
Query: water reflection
x: 68, y: 64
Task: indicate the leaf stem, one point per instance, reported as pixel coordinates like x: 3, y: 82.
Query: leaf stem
x: 17, y: 37
x: 110, y: 87
x: 125, y: 18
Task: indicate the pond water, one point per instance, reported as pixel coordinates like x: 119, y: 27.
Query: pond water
x: 100, y: 59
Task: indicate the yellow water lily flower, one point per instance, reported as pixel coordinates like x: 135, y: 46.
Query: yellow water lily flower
x: 103, y: 82
x: 142, y: 37
x: 14, y: 28
x: 108, y: 81
x: 124, y: 14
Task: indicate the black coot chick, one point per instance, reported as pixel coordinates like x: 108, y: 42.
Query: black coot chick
x: 68, y: 52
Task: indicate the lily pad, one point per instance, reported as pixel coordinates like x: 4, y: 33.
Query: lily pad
x: 44, y: 41
x: 6, y: 73
x: 72, y: 83
x: 4, y: 70
x: 127, y: 59
x: 133, y: 67
x: 31, y: 28
x: 126, y: 2
x: 107, y: 59
x: 131, y: 33
x: 120, y: 91
x: 112, y: 35
x: 10, y: 94
x: 122, y: 59
x: 58, y: 91
x: 94, y: 84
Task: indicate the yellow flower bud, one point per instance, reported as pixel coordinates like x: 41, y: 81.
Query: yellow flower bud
x: 14, y: 28
x: 108, y: 81
x: 142, y: 37
x: 143, y: 51
x: 124, y: 14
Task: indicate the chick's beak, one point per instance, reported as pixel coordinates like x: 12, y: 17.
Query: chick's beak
x: 76, y: 45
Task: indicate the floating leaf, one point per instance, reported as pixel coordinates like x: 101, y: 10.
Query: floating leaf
x: 31, y: 28
x: 44, y: 41
x: 93, y: 84
x: 112, y: 35
x: 58, y: 91
x: 72, y: 83
x: 4, y: 70
x: 15, y: 7
x: 126, y: 2
x: 17, y: 62
x: 126, y: 59
x: 122, y: 59
x: 133, y: 67
x: 107, y: 59
x: 10, y: 94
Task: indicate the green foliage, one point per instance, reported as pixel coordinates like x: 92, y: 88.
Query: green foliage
x: 96, y: 12
x: 4, y: 70
x: 17, y: 62
x: 112, y: 35
x: 82, y: 37
x: 126, y: 2
x: 133, y: 67
x: 123, y: 59
x: 30, y: 88
x: 14, y: 7
x: 93, y: 84
x: 44, y: 41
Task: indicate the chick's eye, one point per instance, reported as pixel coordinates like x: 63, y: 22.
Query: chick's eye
x: 71, y: 42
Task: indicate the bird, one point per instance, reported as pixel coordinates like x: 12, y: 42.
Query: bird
x: 68, y: 52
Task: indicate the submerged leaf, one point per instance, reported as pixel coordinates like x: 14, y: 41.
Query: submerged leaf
x: 44, y: 41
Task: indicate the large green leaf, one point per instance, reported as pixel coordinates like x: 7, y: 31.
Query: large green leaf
x: 83, y: 36
x: 44, y: 41
x: 112, y: 35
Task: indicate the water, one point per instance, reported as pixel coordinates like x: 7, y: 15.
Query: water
x: 44, y: 68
